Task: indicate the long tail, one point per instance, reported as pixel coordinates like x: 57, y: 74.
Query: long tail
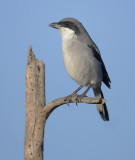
x: 101, y: 108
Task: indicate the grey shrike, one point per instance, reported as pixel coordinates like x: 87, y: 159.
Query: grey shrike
x: 83, y: 60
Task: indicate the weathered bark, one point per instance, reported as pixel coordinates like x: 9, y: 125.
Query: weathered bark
x: 36, y: 111
x: 35, y: 102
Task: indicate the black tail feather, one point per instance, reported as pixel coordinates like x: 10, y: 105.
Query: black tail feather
x: 102, y: 108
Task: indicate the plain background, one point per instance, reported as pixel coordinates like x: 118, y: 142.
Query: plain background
x: 71, y: 132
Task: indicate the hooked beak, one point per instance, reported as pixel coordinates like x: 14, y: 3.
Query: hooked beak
x: 55, y: 25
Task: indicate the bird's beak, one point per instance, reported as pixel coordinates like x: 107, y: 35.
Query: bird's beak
x: 55, y: 25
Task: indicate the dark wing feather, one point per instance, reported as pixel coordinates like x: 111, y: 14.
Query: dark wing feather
x: 106, y: 78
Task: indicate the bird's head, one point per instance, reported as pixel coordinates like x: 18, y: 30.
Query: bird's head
x: 67, y: 27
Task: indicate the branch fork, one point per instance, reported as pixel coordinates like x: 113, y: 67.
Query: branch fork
x: 36, y: 110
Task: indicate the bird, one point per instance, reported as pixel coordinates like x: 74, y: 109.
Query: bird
x: 83, y: 60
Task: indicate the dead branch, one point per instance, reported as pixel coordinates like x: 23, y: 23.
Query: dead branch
x: 60, y: 101
x: 36, y: 110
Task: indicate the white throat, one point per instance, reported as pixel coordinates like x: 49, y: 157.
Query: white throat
x: 66, y: 33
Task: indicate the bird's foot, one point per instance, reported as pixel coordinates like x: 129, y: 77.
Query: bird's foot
x: 68, y: 98
x: 79, y: 97
x: 76, y: 97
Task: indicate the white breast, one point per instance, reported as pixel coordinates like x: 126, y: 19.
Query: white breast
x: 78, y: 59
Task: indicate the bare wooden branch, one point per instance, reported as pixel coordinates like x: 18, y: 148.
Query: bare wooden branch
x: 35, y: 102
x: 36, y: 111
x: 60, y: 101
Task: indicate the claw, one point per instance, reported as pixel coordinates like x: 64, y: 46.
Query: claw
x: 68, y: 104
x: 68, y: 98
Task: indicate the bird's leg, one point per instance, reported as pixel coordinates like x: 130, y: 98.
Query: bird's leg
x: 78, y: 89
x: 79, y: 97
x: 73, y: 94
